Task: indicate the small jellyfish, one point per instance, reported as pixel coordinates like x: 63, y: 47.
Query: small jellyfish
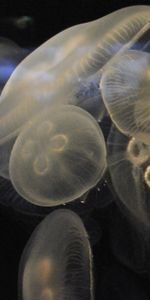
x: 129, y: 165
x: 125, y: 86
x: 58, y: 156
x: 57, y: 260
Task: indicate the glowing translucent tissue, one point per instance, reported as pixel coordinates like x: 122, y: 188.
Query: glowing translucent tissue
x: 57, y: 261
x: 129, y: 165
x: 68, y: 67
x: 125, y: 87
x: 51, y: 155
x: 62, y: 155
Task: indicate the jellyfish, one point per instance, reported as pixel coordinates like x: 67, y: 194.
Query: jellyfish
x: 58, y: 156
x: 57, y: 260
x: 129, y: 165
x: 67, y: 68
x: 125, y: 90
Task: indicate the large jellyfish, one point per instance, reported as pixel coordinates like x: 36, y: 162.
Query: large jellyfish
x: 129, y: 165
x: 57, y: 261
x: 61, y: 156
x: 125, y: 87
x: 64, y: 70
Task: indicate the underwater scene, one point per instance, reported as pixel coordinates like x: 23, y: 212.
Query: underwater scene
x: 75, y: 154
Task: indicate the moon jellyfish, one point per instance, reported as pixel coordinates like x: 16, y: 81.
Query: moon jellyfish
x: 129, y: 165
x: 58, y: 156
x: 125, y: 87
x: 57, y: 261
x: 67, y: 68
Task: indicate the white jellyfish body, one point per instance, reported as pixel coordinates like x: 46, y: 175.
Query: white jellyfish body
x: 58, y: 156
x: 66, y: 69
x: 57, y: 260
x: 125, y: 87
x: 128, y: 162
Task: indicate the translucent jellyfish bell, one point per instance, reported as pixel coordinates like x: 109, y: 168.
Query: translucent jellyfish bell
x: 129, y: 165
x: 58, y: 156
x: 57, y: 261
x: 125, y: 87
x: 66, y: 70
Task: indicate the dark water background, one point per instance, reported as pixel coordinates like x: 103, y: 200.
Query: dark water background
x: 121, y: 255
